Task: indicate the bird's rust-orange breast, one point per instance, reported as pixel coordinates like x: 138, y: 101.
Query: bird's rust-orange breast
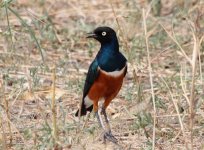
x: 106, y: 86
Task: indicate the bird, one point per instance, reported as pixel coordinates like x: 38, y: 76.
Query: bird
x: 104, y: 78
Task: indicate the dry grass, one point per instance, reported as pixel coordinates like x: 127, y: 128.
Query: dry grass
x: 163, y: 43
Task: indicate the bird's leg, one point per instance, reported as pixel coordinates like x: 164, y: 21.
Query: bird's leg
x: 108, y: 135
x: 103, y: 111
x: 100, y: 121
x: 98, y: 116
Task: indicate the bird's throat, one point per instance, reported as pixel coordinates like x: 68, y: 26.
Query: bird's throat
x: 110, y: 47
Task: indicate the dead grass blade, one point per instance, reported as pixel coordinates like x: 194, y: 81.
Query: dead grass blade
x: 192, y: 92
x: 8, y: 122
x: 150, y: 76
x: 174, y: 39
x: 32, y: 34
x: 8, y: 23
x: 54, y: 111
x: 124, y: 40
x: 177, y: 111
x: 3, y: 135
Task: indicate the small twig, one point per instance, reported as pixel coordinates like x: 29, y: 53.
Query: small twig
x: 17, y: 95
x: 7, y: 112
x: 3, y: 135
x: 54, y: 112
x: 85, y: 122
x: 200, y: 64
x: 21, y: 109
x: 14, y: 128
x: 183, y: 86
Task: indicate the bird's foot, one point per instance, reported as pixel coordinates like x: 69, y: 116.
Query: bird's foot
x: 108, y: 136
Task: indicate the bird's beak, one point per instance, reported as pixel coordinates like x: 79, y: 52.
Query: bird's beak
x: 91, y: 35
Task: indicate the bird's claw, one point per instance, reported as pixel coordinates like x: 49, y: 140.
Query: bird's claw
x: 110, y: 137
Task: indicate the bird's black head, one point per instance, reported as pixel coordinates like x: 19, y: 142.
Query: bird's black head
x: 103, y: 35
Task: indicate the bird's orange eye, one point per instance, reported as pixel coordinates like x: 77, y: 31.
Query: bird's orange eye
x: 104, y: 33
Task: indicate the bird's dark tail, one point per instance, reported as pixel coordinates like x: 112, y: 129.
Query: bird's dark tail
x: 84, y: 110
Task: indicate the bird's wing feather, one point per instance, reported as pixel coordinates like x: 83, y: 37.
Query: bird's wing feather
x: 125, y: 72
x: 92, y: 75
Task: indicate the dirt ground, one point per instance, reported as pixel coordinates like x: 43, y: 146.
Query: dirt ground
x: 40, y: 36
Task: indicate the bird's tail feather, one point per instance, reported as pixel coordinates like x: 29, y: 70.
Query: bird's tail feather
x: 84, y: 110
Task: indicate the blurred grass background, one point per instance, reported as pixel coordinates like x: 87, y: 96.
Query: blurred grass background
x: 36, y: 35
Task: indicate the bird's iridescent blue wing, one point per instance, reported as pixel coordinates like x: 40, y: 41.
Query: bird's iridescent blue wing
x: 92, y: 75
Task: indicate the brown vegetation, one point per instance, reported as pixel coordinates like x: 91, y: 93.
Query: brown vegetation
x: 44, y: 57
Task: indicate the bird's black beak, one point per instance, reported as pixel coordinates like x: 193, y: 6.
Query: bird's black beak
x: 91, y: 35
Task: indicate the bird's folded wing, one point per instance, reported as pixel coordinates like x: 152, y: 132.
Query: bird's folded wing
x: 92, y: 75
